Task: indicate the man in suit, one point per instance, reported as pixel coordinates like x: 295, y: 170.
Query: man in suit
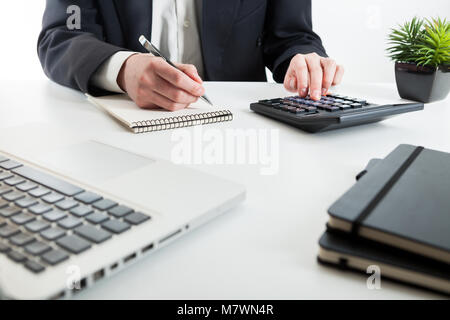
x: 92, y: 46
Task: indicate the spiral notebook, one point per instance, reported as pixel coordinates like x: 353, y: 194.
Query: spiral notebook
x: 138, y: 120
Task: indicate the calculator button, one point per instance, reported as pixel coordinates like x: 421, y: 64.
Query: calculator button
x: 344, y: 106
x: 331, y: 108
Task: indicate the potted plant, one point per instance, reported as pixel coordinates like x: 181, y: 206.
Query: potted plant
x: 421, y: 51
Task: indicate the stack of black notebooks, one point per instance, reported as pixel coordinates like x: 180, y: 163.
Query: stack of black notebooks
x: 397, y: 217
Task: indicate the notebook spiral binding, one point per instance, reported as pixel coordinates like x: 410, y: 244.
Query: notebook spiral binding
x: 181, y: 121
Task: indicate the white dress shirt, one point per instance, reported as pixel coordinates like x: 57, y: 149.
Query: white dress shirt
x: 175, y: 31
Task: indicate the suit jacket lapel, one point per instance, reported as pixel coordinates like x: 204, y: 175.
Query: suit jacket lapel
x: 135, y: 19
x: 217, y: 23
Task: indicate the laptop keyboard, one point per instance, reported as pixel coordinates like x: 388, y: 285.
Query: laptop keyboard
x: 44, y: 220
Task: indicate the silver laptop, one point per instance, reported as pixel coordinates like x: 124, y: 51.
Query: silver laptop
x: 98, y: 210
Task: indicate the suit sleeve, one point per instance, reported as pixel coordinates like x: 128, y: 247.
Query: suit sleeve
x: 288, y: 31
x: 71, y: 57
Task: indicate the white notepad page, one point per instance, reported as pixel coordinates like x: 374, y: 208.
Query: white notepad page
x: 125, y: 110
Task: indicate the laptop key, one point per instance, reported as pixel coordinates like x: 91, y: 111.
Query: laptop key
x: 97, y: 217
x: 13, y: 196
x: 34, y: 266
x: 4, y: 248
x: 5, y: 189
x: 2, y: 222
x: 8, y: 231
x: 70, y: 223
x: 54, y: 257
x: 17, y: 256
x: 66, y: 204
x: 14, y: 180
x: 136, y: 218
x: 73, y: 244
x: 54, y: 215
x: 37, y: 248
x: 120, y: 211
x: 40, y: 209
x: 10, y: 164
x: 26, y: 202
x: 52, y: 197
x: 26, y: 186
x: 23, y: 218
x: 3, y: 203
x: 48, y: 181
x: 116, y: 226
x: 88, y: 197
x: 37, y: 225
x: 2, y: 158
x: 21, y: 239
x: 93, y: 234
x: 5, y: 175
x: 81, y: 211
x: 104, y: 204
x: 10, y: 211
x: 39, y: 192
x: 52, y: 234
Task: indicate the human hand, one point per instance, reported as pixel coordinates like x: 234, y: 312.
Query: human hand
x: 310, y: 73
x: 152, y: 83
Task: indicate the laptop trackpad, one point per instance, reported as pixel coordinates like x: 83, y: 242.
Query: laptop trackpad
x: 93, y: 162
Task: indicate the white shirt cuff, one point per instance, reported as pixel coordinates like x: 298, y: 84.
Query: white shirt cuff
x: 106, y: 76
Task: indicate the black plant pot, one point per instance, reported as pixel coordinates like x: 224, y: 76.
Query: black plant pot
x: 422, y: 84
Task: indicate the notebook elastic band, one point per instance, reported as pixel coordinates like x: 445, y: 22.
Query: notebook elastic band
x: 386, y: 188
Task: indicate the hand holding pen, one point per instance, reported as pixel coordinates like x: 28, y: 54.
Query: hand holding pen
x: 152, y: 83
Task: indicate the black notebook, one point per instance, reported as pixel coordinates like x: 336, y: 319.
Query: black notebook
x: 402, y: 201
x: 341, y: 250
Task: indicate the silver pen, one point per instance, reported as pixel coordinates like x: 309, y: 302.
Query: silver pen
x: 153, y: 50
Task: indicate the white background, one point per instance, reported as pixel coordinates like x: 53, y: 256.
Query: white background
x: 353, y: 31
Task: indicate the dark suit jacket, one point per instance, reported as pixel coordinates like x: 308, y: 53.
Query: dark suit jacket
x: 239, y: 37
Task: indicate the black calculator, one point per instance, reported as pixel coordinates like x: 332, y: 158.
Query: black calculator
x: 333, y: 111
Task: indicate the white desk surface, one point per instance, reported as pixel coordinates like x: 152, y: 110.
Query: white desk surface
x: 267, y: 247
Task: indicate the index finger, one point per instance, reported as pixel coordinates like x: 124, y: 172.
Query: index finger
x: 179, y: 79
x: 315, y: 74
